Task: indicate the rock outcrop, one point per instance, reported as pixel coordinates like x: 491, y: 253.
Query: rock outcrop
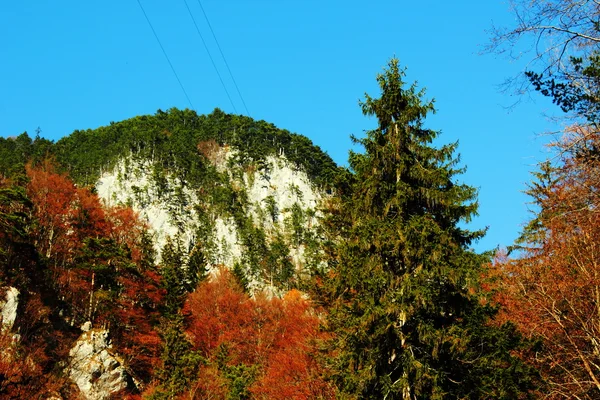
x: 8, y: 308
x: 95, y: 370
x: 273, y: 193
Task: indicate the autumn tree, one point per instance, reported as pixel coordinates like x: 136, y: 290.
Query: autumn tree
x: 291, y: 367
x: 263, y: 348
x: 101, y: 263
x: 53, y: 196
x: 22, y: 373
x: 551, y: 289
x: 407, y: 319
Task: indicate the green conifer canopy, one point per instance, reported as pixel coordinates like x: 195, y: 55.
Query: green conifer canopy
x: 407, y: 318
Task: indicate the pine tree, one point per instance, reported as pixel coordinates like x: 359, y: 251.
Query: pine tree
x: 195, y: 271
x: 407, y: 319
x: 173, y: 277
x: 179, y: 363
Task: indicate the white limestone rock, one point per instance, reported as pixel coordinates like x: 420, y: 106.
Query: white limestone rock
x: 8, y: 308
x: 170, y: 208
x: 285, y: 183
x: 130, y: 182
x: 93, y: 368
x: 229, y: 249
x: 86, y: 326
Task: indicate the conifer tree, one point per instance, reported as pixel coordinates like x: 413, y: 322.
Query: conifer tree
x: 173, y: 277
x: 407, y: 319
x: 179, y: 363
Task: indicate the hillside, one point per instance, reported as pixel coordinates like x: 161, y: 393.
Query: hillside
x: 243, y: 193
x: 201, y: 193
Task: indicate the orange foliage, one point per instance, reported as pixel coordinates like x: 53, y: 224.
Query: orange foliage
x: 126, y: 229
x: 552, y: 291
x: 21, y: 373
x: 66, y: 216
x: 219, y: 312
x: 277, y: 335
x: 53, y: 196
x: 291, y: 369
x: 136, y: 312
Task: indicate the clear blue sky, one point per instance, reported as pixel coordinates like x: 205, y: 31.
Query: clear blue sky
x: 302, y: 65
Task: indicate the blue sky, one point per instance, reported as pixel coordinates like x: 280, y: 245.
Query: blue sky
x: 302, y: 65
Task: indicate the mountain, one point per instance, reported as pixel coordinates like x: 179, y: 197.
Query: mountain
x: 112, y: 227
x: 251, y: 204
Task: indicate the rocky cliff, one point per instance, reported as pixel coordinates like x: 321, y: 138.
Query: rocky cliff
x: 275, y: 204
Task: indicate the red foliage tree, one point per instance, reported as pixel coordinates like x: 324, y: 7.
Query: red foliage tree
x: 53, y: 196
x: 291, y: 369
x: 220, y: 312
x: 126, y: 229
x: 21, y: 370
x: 96, y: 256
x: 277, y: 336
x: 552, y: 290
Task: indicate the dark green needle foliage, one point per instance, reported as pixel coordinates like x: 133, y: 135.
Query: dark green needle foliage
x: 407, y: 321
x: 169, y: 139
x: 173, y: 277
x: 15, y: 152
x: 576, y: 93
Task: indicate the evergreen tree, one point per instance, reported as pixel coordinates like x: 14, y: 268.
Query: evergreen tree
x: 407, y: 319
x: 173, y: 277
x: 195, y: 271
x: 179, y: 363
x: 16, y: 251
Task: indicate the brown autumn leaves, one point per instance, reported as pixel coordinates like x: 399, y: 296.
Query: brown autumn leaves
x: 551, y: 288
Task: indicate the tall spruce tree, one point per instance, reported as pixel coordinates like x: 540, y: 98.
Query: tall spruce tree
x: 407, y: 319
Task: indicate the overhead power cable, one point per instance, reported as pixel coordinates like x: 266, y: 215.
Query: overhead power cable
x: 210, y: 55
x: 166, y: 56
x: 223, y: 55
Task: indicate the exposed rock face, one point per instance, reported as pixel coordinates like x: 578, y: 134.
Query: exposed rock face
x: 96, y: 371
x: 8, y: 308
x: 273, y: 193
x: 285, y: 184
x: 131, y: 183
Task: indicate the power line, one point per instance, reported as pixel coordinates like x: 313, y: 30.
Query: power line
x: 166, y: 56
x: 224, y: 59
x: 210, y: 55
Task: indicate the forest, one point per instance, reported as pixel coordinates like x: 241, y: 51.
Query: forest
x: 357, y: 282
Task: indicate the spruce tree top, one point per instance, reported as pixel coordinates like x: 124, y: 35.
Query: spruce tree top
x: 400, y: 175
